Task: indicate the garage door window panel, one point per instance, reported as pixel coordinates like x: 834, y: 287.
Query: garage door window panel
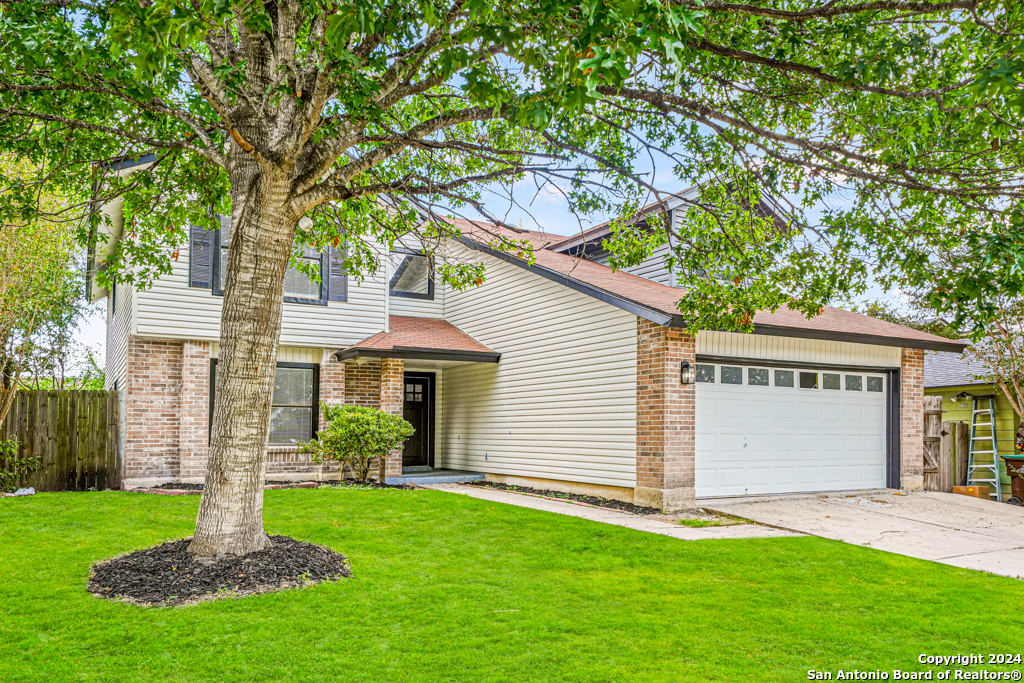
x: 784, y: 378
x: 875, y: 384
x: 732, y: 375
x: 830, y: 381
x: 706, y: 373
x: 854, y: 383
x: 757, y: 377
x: 808, y: 380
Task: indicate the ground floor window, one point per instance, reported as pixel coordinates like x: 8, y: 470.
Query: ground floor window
x: 294, y: 412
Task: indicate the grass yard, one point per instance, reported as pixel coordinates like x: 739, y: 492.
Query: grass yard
x: 448, y: 588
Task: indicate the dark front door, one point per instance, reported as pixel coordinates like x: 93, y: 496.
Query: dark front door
x: 419, y: 412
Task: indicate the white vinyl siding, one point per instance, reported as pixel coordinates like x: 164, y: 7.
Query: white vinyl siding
x: 289, y: 354
x: 420, y: 308
x: 561, y: 403
x: 652, y: 268
x: 119, y: 326
x: 171, y: 309
x: 796, y: 350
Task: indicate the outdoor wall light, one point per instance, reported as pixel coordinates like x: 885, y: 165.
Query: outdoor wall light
x: 687, y: 373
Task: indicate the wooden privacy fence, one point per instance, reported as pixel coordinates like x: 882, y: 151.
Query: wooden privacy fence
x: 75, y: 435
x: 945, y: 449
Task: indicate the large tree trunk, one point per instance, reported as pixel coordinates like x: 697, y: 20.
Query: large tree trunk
x: 230, y: 518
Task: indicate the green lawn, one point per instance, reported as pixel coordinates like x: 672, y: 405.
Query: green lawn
x: 451, y: 588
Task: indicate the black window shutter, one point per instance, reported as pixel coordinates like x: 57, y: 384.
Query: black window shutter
x: 200, y: 262
x: 337, y: 280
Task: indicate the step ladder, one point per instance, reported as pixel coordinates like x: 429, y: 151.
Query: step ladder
x: 987, y: 471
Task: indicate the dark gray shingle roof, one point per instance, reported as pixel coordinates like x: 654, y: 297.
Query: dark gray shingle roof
x: 944, y: 369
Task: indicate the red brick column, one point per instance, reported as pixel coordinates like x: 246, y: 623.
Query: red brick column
x: 152, y: 411
x: 194, y: 439
x: 912, y: 420
x: 665, y: 427
x: 362, y: 383
x: 332, y: 384
x: 332, y: 392
x: 392, y: 399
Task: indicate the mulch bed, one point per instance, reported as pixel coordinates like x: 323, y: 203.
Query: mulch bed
x: 596, y: 501
x: 168, y: 575
x: 194, y: 489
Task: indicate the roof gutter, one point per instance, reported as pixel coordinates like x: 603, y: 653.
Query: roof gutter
x: 856, y: 338
x: 418, y: 353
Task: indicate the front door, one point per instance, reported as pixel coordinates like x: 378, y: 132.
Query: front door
x: 419, y: 412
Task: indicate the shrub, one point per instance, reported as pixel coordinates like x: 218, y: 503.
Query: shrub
x: 356, y: 435
x: 12, y: 467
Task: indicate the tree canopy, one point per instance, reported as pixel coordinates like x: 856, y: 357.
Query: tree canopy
x: 909, y: 111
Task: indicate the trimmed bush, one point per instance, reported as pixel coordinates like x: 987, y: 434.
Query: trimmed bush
x: 356, y: 436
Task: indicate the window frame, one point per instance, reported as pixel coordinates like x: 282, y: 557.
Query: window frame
x: 314, y: 420
x: 429, y: 296
x: 325, y: 273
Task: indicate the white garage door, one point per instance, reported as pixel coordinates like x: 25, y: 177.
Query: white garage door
x: 780, y: 430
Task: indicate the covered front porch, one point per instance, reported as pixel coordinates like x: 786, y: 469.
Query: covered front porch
x: 401, y: 371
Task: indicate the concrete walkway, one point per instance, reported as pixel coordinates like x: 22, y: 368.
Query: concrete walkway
x: 616, y: 518
x: 942, y: 527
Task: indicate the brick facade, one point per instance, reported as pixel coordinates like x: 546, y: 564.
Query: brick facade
x: 194, y: 435
x: 392, y: 400
x: 167, y: 413
x: 152, y: 423
x: 362, y: 383
x: 665, y: 426
x: 912, y: 420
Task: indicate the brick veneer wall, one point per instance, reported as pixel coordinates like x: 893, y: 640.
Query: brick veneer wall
x: 194, y: 436
x: 152, y: 409
x: 665, y: 428
x: 362, y: 383
x: 912, y: 419
x: 168, y: 409
x: 392, y: 400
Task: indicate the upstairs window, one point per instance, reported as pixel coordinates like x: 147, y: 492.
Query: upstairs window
x: 412, y: 277
x: 208, y: 267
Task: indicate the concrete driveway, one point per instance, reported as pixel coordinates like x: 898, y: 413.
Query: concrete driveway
x: 942, y: 527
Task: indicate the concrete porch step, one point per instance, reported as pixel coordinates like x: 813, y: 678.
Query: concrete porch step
x: 429, y: 475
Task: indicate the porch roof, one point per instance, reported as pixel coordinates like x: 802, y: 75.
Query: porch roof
x: 421, y: 339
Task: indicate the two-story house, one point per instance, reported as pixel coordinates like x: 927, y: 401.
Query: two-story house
x: 560, y: 373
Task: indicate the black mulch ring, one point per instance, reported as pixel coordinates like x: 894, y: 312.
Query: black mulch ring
x: 590, y: 500
x: 168, y: 575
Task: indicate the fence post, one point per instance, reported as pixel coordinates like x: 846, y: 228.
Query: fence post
x: 963, y: 445
x: 946, y: 463
x: 932, y: 439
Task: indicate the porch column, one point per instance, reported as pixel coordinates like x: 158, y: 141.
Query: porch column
x: 392, y: 397
x: 665, y: 424
x: 332, y: 393
x: 912, y: 420
x: 332, y: 383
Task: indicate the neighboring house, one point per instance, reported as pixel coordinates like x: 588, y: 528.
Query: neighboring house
x: 954, y: 377
x: 560, y: 373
